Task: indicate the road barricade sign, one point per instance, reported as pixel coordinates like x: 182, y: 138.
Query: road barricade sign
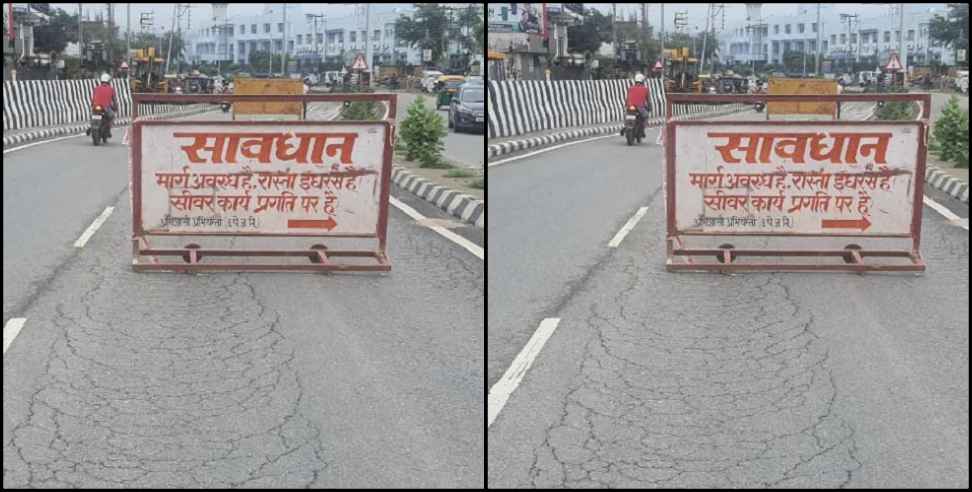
x: 260, y: 87
x: 260, y: 179
x: 796, y: 181
x: 781, y: 86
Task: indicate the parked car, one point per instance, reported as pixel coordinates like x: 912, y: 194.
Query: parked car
x: 468, y: 108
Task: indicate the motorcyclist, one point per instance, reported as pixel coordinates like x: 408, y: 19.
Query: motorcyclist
x: 638, y: 97
x: 104, y: 96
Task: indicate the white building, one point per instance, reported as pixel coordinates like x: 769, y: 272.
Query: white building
x: 337, y: 39
x: 844, y: 40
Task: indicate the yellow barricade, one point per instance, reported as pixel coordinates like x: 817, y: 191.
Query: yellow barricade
x: 254, y: 87
x: 808, y: 87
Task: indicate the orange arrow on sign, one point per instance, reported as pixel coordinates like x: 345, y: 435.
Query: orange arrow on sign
x: 861, y: 224
x: 326, y: 224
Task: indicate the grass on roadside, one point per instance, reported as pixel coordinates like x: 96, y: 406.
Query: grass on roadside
x: 459, y: 173
x: 477, y: 184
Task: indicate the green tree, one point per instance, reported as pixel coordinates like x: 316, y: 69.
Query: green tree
x: 260, y: 61
x: 52, y: 37
x: 954, y: 29
x: 421, y: 135
x: 587, y: 37
x: 425, y: 29
x: 951, y: 134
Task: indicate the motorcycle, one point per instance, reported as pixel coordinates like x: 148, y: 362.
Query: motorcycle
x: 98, y: 129
x: 634, y: 125
x: 225, y: 106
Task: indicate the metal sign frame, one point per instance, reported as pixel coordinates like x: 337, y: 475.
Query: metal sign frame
x: 727, y: 258
x: 320, y: 257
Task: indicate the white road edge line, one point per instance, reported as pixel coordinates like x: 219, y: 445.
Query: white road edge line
x: 11, y: 330
x: 627, y: 227
x: 547, y: 149
x: 948, y: 214
x: 446, y: 233
x: 93, y: 227
x: 501, y: 391
x: 42, y: 142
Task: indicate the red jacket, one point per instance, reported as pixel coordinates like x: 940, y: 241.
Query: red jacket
x: 637, y: 95
x: 104, y: 95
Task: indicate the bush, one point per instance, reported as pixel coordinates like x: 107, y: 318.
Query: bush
x: 422, y: 132
x: 362, y: 110
x: 897, y: 110
x: 951, y: 134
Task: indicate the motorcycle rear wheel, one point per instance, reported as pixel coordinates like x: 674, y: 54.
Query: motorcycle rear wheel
x: 629, y: 137
x: 95, y: 137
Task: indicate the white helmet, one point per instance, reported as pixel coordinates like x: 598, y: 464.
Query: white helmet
x: 639, y: 78
x: 105, y: 77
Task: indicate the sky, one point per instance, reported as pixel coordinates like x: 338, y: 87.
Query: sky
x: 735, y: 12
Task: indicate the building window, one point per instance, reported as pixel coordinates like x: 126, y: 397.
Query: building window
x: 814, y: 27
x: 887, y: 36
x: 776, y: 47
x: 300, y: 39
x: 354, y: 36
x: 825, y: 46
x: 280, y: 27
x: 786, y: 28
x: 253, y: 29
x: 813, y: 45
x: 377, y: 35
x: 800, y: 28
x: 266, y: 27
x: 776, y: 28
x: 911, y: 34
x: 290, y: 46
x: 853, y: 38
x: 843, y: 39
x: 320, y: 38
x: 277, y: 45
x: 833, y: 39
x: 242, y: 29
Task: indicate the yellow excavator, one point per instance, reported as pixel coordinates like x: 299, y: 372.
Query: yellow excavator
x: 147, y: 71
x: 681, y: 71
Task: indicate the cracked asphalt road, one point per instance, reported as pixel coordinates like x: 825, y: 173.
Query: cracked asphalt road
x: 124, y: 379
x: 655, y: 379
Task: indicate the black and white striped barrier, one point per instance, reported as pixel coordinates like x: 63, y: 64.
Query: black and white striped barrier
x: 76, y: 128
x: 528, y: 142
x: 48, y: 103
x: 459, y: 205
x: 518, y: 107
x: 954, y: 187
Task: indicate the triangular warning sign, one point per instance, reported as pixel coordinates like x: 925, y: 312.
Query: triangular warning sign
x: 658, y: 65
x: 359, y: 63
x: 894, y: 63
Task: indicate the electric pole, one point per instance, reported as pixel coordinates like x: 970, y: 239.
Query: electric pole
x: 614, y: 32
x: 662, y: 38
x: 285, y: 50
x: 368, y: 55
x: 80, y: 37
x: 901, y: 46
x: 705, y: 36
x: 128, y: 37
x: 168, y: 55
x: 816, y: 51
